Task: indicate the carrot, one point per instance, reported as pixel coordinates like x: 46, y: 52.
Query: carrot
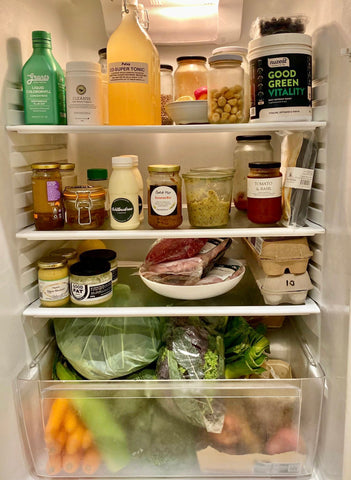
x: 70, y: 420
x: 91, y: 461
x: 61, y: 438
x: 54, y: 448
x: 57, y: 413
x: 70, y: 463
x: 74, y: 440
x: 54, y: 464
x: 87, y: 439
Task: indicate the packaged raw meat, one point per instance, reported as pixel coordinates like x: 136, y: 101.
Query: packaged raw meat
x: 168, y: 249
x: 186, y: 271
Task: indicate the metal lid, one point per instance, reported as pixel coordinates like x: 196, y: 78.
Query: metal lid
x: 249, y: 138
x: 83, y: 191
x: 52, y: 261
x: 90, y: 268
x: 99, y: 254
x: 163, y: 168
x: 45, y: 166
x: 66, y: 253
x: 264, y: 165
x: 67, y: 166
x: 191, y: 57
x: 164, y: 66
x: 97, y: 174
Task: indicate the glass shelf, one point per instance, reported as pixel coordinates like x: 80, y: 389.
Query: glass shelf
x: 240, y: 128
x: 238, y: 226
x: 245, y: 299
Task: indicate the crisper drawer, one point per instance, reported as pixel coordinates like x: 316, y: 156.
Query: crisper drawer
x: 225, y: 428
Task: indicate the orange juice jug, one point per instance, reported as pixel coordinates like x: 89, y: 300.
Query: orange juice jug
x: 133, y: 73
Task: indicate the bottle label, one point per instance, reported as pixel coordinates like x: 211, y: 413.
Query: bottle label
x: 140, y: 204
x: 53, y: 191
x: 89, y: 293
x: 51, y: 291
x: 122, y: 210
x: 128, y: 72
x: 163, y: 200
x: 264, y: 187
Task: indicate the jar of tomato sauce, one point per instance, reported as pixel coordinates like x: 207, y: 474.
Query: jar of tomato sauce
x: 264, y: 192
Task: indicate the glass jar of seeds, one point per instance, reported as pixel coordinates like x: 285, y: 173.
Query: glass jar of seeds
x: 166, y: 91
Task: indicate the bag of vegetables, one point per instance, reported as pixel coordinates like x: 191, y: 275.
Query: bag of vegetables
x: 103, y: 348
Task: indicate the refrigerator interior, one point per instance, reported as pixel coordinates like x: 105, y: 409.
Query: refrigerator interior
x: 78, y: 31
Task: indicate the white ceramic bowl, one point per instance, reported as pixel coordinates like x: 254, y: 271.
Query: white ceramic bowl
x: 191, y: 111
x: 197, y: 292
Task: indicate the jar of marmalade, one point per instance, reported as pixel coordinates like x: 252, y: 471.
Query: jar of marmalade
x: 164, y: 187
x: 264, y: 192
x: 84, y: 207
x: 47, y: 196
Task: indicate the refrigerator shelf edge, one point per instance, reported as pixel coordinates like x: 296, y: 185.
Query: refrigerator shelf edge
x: 238, y: 227
x: 308, y: 308
x: 200, y: 128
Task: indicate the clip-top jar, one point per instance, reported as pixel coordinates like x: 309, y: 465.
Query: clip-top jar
x: 84, y: 206
x: 47, y: 196
x: 264, y: 192
x: 190, y: 74
x: 249, y: 148
x: 226, y: 89
x: 164, y: 196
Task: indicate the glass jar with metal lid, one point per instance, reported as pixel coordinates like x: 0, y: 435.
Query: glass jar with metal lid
x: 226, y: 89
x: 84, y: 206
x: 249, y: 148
x: 190, y: 74
x: 68, y: 175
x: 68, y: 254
x: 47, y: 196
x: 164, y: 187
x: 53, y: 280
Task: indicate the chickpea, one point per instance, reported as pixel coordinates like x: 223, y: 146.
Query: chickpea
x: 234, y: 109
x: 215, y: 118
x: 232, y: 118
x: 222, y: 101
x: 227, y: 108
x: 233, y: 101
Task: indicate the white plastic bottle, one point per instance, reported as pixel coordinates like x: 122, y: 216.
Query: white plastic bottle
x: 124, y: 194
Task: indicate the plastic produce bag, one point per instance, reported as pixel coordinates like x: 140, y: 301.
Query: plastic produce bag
x: 298, y: 159
x: 104, y: 348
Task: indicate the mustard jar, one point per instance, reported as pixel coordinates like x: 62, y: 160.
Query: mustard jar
x: 53, y: 280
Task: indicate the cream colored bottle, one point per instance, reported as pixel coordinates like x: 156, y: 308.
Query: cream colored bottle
x: 124, y: 194
x: 133, y: 68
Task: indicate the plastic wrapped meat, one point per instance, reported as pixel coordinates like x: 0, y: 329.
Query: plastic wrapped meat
x: 187, y: 271
x: 168, y: 249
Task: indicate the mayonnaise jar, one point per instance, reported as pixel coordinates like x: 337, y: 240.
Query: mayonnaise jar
x: 53, y: 281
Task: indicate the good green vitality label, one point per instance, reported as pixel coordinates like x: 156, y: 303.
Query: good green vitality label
x: 281, y: 87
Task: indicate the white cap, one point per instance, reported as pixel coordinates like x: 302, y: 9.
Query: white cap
x: 123, y: 161
x: 230, y: 49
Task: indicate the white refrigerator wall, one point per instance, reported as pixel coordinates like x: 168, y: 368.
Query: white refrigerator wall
x: 77, y: 29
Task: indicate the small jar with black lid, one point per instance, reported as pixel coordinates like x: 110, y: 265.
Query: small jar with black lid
x: 264, y: 192
x: 249, y: 148
x: 103, y: 254
x: 90, y: 282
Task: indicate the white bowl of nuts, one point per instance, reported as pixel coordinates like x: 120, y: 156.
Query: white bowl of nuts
x: 187, y: 112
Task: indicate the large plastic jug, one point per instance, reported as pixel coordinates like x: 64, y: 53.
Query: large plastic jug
x: 133, y: 73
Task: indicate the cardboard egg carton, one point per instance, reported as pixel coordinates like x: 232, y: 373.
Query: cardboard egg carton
x: 286, y: 288
x: 281, y: 255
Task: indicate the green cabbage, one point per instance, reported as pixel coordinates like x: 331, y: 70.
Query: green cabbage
x: 104, y: 348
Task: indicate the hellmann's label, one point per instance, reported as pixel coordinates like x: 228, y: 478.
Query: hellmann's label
x: 282, y: 85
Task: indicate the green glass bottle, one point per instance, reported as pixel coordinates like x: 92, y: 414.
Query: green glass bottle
x: 44, y: 89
